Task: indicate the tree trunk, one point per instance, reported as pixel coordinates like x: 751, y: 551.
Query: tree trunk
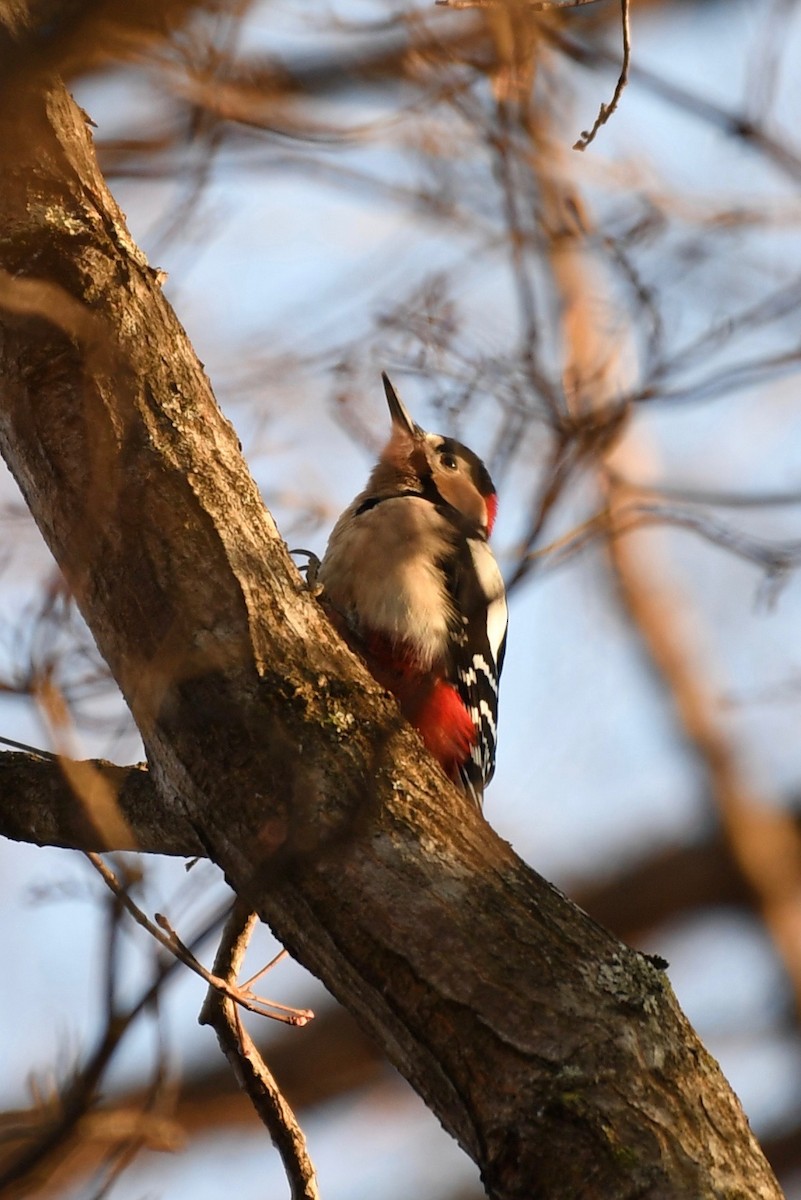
x: 556, y: 1056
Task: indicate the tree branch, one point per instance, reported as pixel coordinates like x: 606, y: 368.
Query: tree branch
x: 37, y: 805
x: 165, y: 935
x: 221, y: 1013
x: 556, y: 1056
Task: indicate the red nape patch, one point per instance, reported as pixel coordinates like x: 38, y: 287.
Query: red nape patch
x: 492, y: 511
x: 445, y: 726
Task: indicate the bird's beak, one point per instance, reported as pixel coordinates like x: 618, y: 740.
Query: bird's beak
x: 400, y: 417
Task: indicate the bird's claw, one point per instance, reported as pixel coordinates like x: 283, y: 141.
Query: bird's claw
x: 310, y: 570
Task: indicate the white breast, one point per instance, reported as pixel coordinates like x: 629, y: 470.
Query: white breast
x: 380, y: 572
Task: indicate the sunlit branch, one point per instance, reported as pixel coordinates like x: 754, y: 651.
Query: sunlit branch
x: 606, y: 110
x: 165, y: 935
x: 37, y: 805
x: 221, y: 1013
x: 735, y: 124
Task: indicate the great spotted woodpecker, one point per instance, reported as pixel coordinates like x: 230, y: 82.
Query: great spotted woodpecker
x: 410, y: 581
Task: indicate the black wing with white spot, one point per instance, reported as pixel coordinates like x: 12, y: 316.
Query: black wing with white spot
x: 479, y: 644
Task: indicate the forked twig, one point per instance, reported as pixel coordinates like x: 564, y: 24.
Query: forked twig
x: 221, y: 1013
x: 606, y: 110
x: 166, y: 936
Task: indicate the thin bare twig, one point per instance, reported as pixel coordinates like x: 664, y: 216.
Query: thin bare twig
x: 606, y: 110
x: 30, y: 749
x: 722, y: 383
x: 268, y: 967
x: 221, y: 1013
x: 777, y: 559
x: 777, y: 150
x: 554, y: 481
x: 166, y: 936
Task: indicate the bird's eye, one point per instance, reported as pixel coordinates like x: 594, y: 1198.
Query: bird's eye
x: 448, y: 461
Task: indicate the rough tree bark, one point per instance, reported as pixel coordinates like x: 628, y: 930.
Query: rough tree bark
x: 556, y: 1056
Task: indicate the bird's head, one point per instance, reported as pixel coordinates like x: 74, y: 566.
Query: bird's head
x: 440, y: 468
